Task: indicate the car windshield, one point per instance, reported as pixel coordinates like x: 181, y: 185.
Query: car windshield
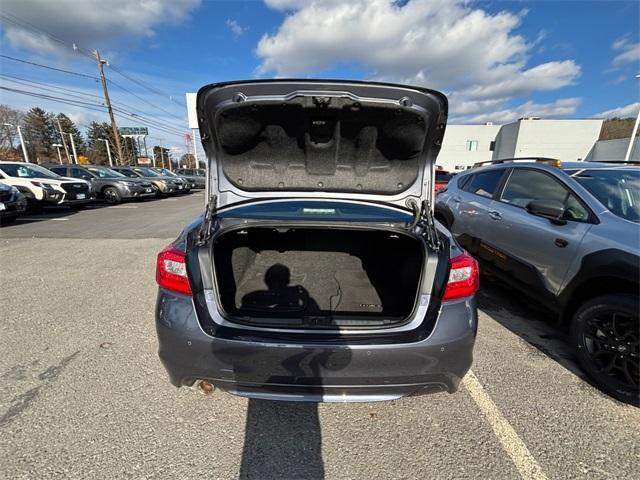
x: 27, y: 171
x: 616, y: 189
x: 105, y: 172
x: 314, y: 210
x: 147, y: 172
x: 166, y: 171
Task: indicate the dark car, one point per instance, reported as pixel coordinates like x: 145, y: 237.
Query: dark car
x: 568, y: 235
x: 163, y: 185
x: 106, y: 183
x: 316, y: 272
x: 197, y: 176
x: 12, y: 203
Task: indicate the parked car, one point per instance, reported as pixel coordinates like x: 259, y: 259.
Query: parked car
x: 567, y: 234
x: 196, y: 176
x: 163, y: 185
x: 316, y: 272
x: 43, y: 187
x: 106, y: 183
x: 442, y: 178
x: 12, y: 203
x: 168, y: 173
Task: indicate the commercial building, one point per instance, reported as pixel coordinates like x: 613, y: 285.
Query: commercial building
x: 464, y: 145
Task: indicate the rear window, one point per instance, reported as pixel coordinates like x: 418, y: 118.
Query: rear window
x: 314, y: 210
x: 483, y: 183
x: 443, y: 176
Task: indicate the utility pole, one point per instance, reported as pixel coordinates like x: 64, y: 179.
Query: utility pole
x: 195, y: 151
x: 114, y: 127
x: 73, y: 146
x: 64, y: 143
x: 106, y: 141
x: 162, y: 155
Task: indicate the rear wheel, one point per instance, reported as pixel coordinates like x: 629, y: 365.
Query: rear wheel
x: 606, y: 333
x: 112, y: 195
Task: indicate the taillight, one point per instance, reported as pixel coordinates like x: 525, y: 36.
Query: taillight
x: 171, y: 270
x: 464, y: 277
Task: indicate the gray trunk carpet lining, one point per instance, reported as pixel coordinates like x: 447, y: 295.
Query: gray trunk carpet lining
x: 307, y: 282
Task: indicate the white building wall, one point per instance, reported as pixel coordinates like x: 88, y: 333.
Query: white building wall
x: 613, y: 150
x: 457, y: 154
x: 561, y: 139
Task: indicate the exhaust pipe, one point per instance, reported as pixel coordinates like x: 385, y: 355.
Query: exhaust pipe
x: 205, y: 387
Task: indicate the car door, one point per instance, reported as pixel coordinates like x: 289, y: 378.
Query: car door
x: 470, y: 207
x: 534, y: 251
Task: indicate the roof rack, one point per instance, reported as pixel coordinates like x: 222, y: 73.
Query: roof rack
x: 549, y: 161
x: 619, y: 162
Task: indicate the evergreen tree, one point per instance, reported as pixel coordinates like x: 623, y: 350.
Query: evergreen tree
x: 40, y: 135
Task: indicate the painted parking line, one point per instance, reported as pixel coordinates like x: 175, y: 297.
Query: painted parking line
x: 28, y: 219
x: 526, y: 465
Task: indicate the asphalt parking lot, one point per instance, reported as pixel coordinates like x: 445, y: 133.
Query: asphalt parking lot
x: 83, y: 394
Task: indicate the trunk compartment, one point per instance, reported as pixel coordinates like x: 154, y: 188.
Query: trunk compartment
x: 317, y: 277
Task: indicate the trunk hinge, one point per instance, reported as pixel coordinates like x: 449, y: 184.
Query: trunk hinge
x: 207, y: 222
x: 424, y: 224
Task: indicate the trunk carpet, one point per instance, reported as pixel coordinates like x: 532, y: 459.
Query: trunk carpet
x: 307, y: 282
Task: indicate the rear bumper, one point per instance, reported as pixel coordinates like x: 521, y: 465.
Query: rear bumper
x: 316, y: 372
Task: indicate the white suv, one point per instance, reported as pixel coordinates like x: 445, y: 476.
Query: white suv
x: 43, y: 187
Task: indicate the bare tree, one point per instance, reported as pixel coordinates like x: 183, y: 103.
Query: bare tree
x: 9, y: 142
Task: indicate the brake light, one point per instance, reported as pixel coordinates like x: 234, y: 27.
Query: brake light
x: 171, y: 270
x: 464, y: 277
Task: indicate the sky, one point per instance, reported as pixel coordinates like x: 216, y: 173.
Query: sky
x: 496, y: 60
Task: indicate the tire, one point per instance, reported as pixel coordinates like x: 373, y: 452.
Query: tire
x: 605, y: 332
x: 112, y: 195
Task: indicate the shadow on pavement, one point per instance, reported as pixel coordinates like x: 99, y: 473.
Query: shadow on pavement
x: 530, y: 321
x: 282, y: 440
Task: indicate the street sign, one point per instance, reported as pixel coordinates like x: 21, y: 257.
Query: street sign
x: 133, y: 131
x: 144, y: 161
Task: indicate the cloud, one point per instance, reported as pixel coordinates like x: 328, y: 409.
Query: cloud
x: 559, y: 108
x: 626, y: 111
x: 628, y: 52
x: 90, y: 23
x: 235, y: 27
x: 475, y: 56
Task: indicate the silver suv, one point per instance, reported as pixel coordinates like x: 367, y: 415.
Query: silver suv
x: 567, y: 234
x: 317, y: 272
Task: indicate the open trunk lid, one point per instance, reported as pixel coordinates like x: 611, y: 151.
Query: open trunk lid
x: 370, y: 141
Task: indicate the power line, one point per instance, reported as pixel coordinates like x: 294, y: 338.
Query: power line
x: 94, y: 107
x: 144, y: 85
x: 45, y: 86
x: 50, y: 68
x: 82, y: 96
x: 143, y: 100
